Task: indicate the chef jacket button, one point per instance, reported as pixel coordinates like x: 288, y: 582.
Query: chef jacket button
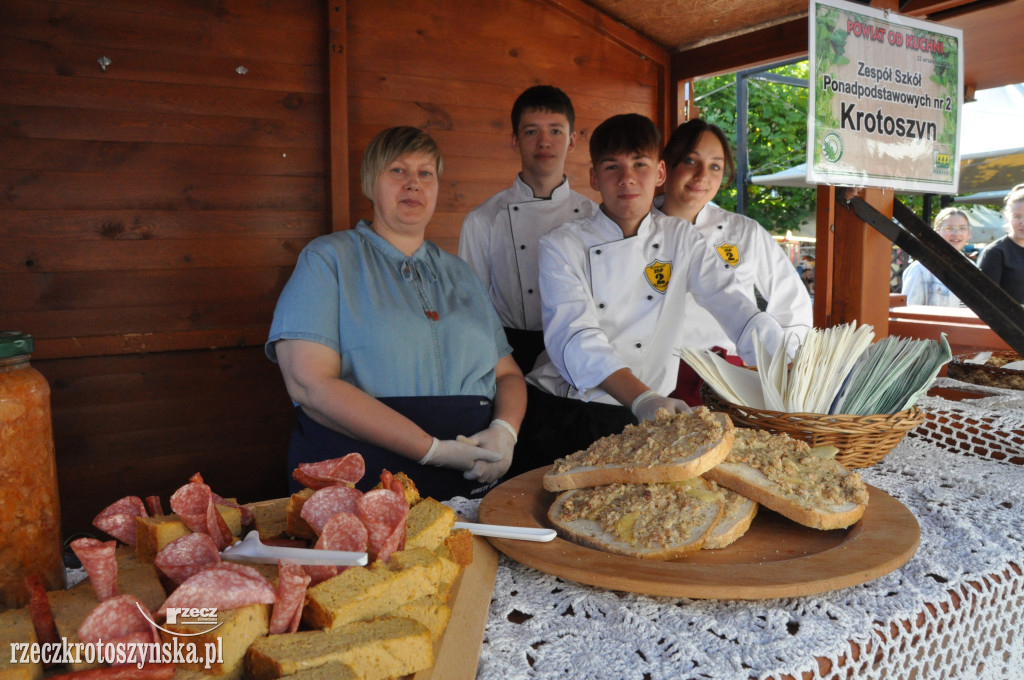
x: 522, y: 247
x: 530, y: 291
x: 655, y: 245
x: 638, y: 345
x: 515, y: 207
x: 597, y: 252
x: 720, y: 226
x: 575, y: 210
x: 601, y: 306
x: 650, y: 297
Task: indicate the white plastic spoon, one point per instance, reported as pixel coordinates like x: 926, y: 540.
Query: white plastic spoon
x: 252, y: 549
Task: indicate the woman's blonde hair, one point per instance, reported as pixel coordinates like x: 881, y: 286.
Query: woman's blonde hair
x: 389, y: 145
x: 945, y: 214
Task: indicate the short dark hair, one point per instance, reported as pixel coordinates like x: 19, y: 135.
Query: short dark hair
x: 626, y: 132
x: 684, y: 138
x: 546, y: 98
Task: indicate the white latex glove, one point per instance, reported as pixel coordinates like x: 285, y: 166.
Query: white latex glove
x: 500, y: 437
x: 645, y: 407
x: 458, y: 455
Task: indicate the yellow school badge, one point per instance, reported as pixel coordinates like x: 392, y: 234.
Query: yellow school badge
x: 730, y: 253
x: 658, y: 273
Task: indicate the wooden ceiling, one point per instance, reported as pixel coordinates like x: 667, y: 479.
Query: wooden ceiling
x: 707, y: 37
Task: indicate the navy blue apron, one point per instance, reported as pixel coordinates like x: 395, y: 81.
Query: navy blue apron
x: 442, y: 417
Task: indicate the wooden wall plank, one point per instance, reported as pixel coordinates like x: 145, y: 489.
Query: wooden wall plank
x: 194, y: 191
x: 103, y: 27
x: 118, y: 224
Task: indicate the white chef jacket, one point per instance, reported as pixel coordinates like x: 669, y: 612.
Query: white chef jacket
x: 612, y: 303
x: 745, y: 248
x: 499, y: 241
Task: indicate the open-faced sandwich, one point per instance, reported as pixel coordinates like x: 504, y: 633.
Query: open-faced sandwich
x: 786, y: 475
x: 669, y: 449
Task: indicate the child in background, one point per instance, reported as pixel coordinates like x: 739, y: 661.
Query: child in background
x: 499, y: 237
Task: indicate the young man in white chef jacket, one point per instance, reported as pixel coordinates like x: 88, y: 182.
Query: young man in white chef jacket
x: 499, y: 238
x: 614, y: 287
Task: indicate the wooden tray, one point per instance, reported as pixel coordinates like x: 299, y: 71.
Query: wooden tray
x: 776, y: 558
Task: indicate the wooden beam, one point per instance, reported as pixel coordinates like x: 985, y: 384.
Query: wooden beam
x: 147, y: 343
x: 776, y: 43
x: 337, y: 67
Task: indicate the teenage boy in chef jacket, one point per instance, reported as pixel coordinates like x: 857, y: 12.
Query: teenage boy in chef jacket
x: 499, y: 237
x: 613, y: 288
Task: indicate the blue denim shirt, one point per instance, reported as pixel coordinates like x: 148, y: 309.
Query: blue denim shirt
x: 419, y: 325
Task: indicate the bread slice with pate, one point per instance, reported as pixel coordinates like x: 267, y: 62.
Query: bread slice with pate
x: 785, y: 475
x: 647, y: 521
x: 669, y: 449
x: 738, y: 514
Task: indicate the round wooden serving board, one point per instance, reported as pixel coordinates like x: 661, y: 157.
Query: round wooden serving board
x: 776, y: 557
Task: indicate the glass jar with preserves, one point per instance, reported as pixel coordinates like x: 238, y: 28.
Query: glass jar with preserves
x: 29, y: 504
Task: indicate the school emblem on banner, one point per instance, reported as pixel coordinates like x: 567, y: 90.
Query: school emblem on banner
x: 729, y: 252
x: 658, y: 273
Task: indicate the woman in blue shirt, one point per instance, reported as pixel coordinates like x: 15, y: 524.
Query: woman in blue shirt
x: 389, y: 346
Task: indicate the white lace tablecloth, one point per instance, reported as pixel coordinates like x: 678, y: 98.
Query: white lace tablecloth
x: 956, y: 609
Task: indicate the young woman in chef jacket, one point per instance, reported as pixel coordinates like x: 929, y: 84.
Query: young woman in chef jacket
x: 698, y: 161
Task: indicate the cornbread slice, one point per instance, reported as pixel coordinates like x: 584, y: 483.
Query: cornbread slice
x: 332, y: 670
x: 458, y: 547
x: 236, y: 630
x: 428, y: 524
x: 670, y: 449
x: 384, y: 648
x: 270, y: 518
x: 16, y: 627
x: 294, y: 524
x: 70, y: 607
x: 359, y: 593
x: 441, y: 571
x: 153, y: 533
x: 431, y: 611
x: 412, y: 494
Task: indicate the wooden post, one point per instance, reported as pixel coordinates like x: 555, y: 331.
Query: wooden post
x: 337, y: 67
x: 860, y: 260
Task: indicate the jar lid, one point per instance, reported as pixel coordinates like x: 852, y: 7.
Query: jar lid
x: 14, y: 343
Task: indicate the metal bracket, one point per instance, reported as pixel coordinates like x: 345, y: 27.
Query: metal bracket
x: 992, y: 304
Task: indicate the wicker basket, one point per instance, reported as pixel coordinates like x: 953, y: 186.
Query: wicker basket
x: 990, y: 374
x: 862, y: 440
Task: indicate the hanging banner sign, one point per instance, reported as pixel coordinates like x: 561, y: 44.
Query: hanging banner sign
x: 885, y: 101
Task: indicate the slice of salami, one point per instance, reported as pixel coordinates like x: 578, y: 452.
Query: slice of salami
x: 344, y: 531
x: 156, y: 508
x: 291, y: 594
x: 388, y: 481
x: 217, y: 526
x: 225, y: 586
x: 347, y: 469
x: 118, y: 518
x: 187, y: 556
x: 39, y: 610
x: 190, y: 503
x: 383, y: 513
x: 99, y: 559
x: 328, y: 502
x: 116, y: 618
